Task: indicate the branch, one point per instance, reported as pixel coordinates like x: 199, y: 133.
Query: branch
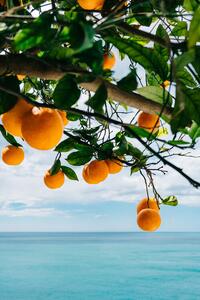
x: 34, y: 67
x: 195, y: 183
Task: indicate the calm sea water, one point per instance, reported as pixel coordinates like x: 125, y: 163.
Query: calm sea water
x: 99, y: 266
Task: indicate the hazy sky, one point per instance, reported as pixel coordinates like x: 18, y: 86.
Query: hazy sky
x: 27, y: 205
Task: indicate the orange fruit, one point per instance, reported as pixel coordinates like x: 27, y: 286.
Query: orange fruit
x: 114, y: 166
x: 108, y: 61
x: 165, y: 84
x: 63, y: 115
x: 145, y: 203
x: 95, y: 172
x: 148, y: 121
x: 21, y: 77
x: 12, y: 120
x: 12, y: 155
x: 54, y: 181
x: 149, y: 219
x: 42, y: 128
x: 91, y: 4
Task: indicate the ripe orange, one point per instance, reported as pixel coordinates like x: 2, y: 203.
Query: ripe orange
x: 149, y: 219
x: 108, y: 61
x: 114, y: 166
x: 63, y: 115
x: 145, y: 203
x: 21, y: 77
x: 54, y: 181
x: 95, y: 172
x: 12, y: 119
x: 91, y: 4
x: 42, y: 128
x: 148, y: 121
x: 12, y: 155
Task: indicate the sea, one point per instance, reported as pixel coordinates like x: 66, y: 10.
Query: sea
x: 100, y: 266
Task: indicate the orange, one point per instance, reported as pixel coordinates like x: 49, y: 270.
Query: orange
x: 63, y: 115
x: 91, y: 4
x: 149, y: 219
x: 21, y: 77
x: 108, y: 61
x: 12, y: 155
x: 114, y: 166
x: 12, y: 119
x: 148, y: 121
x: 165, y: 84
x: 145, y: 203
x: 42, y: 128
x: 54, y: 181
x: 95, y: 172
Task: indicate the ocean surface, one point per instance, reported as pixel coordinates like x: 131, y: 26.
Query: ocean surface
x: 99, y: 266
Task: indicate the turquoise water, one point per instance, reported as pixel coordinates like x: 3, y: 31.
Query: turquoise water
x: 99, y: 266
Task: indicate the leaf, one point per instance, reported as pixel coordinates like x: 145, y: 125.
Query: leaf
x: 178, y: 143
x: 146, y: 57
x: 190, y: 5
x: 65, y: 145
x: 85, y: 33
x: 8, y: 137
x: 180, y: 29
x: 35, y: 34
x: 7, y: 101
x: 128, y: 83
x: 163, y: 51
x: 139, y: 132
x: 171, y: 200
x: 162, y: 132
x: 55, y: 168
x: 66, y: 93
x: 69, y: 173
x: 194, y: 131
x: 186, y: 78
x: 99, y: 99
x: 156, y: 94
x: 194, y: 31
x: 73, y: 117
x: 79, y: 158
x: 192, y: 103
x: 82, y: 147
x: 145, y: 7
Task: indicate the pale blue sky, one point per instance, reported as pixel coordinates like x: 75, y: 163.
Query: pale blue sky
x: 27, y: 205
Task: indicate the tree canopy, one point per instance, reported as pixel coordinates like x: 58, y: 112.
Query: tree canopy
x: 60, y: 48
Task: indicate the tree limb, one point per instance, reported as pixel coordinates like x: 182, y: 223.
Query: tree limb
x: 34, y: 67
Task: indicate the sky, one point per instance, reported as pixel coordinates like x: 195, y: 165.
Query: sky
x: 27, y: 205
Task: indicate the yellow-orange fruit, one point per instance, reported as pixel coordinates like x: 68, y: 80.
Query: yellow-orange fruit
x: 114, y: 166
x: 21, y: 77
x: 149, y: 219
x: 148, y: 121
x: 12, y: 120
x: 42, y: 128
x: 108, y: 61
x: 166, y: 83
x: 63, y: 115
x: 54, y: 181
x: 95, y: 172
x: 12, y: 155
x: 145, y: 203
x: 91, y: 4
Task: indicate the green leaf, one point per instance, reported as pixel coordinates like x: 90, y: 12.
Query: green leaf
x: 73, y: 117
x: 85, y: 33
x: 7, y: 101
x: 163, y: 51
x: 194, y: 31
x: 66, y: 92
x: 55, y: 168
x: 194, y: 131
x: 99, y: 99
x: 180, y: 29
x: 186, y: 78
x: 128, y: 83
x: 79, y: 158
x: 171, y: 200
x: 144, y: 7
x: 178, y: 143
x: 146, y: 57
x: 192, y: 103
x: 82, y: 147
x: 69, y: 173
x: 156, y: 94
x: 8, y: 137
x: 35, y: 34
x: 139, y: 131
x: 191, y: 5
x: 65, y: 145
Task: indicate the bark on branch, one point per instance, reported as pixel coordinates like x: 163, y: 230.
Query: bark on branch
x: 33, y: 67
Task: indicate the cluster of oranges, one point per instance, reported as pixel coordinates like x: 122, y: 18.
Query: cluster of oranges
x: 148, y: 214
x: 98, y: 170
